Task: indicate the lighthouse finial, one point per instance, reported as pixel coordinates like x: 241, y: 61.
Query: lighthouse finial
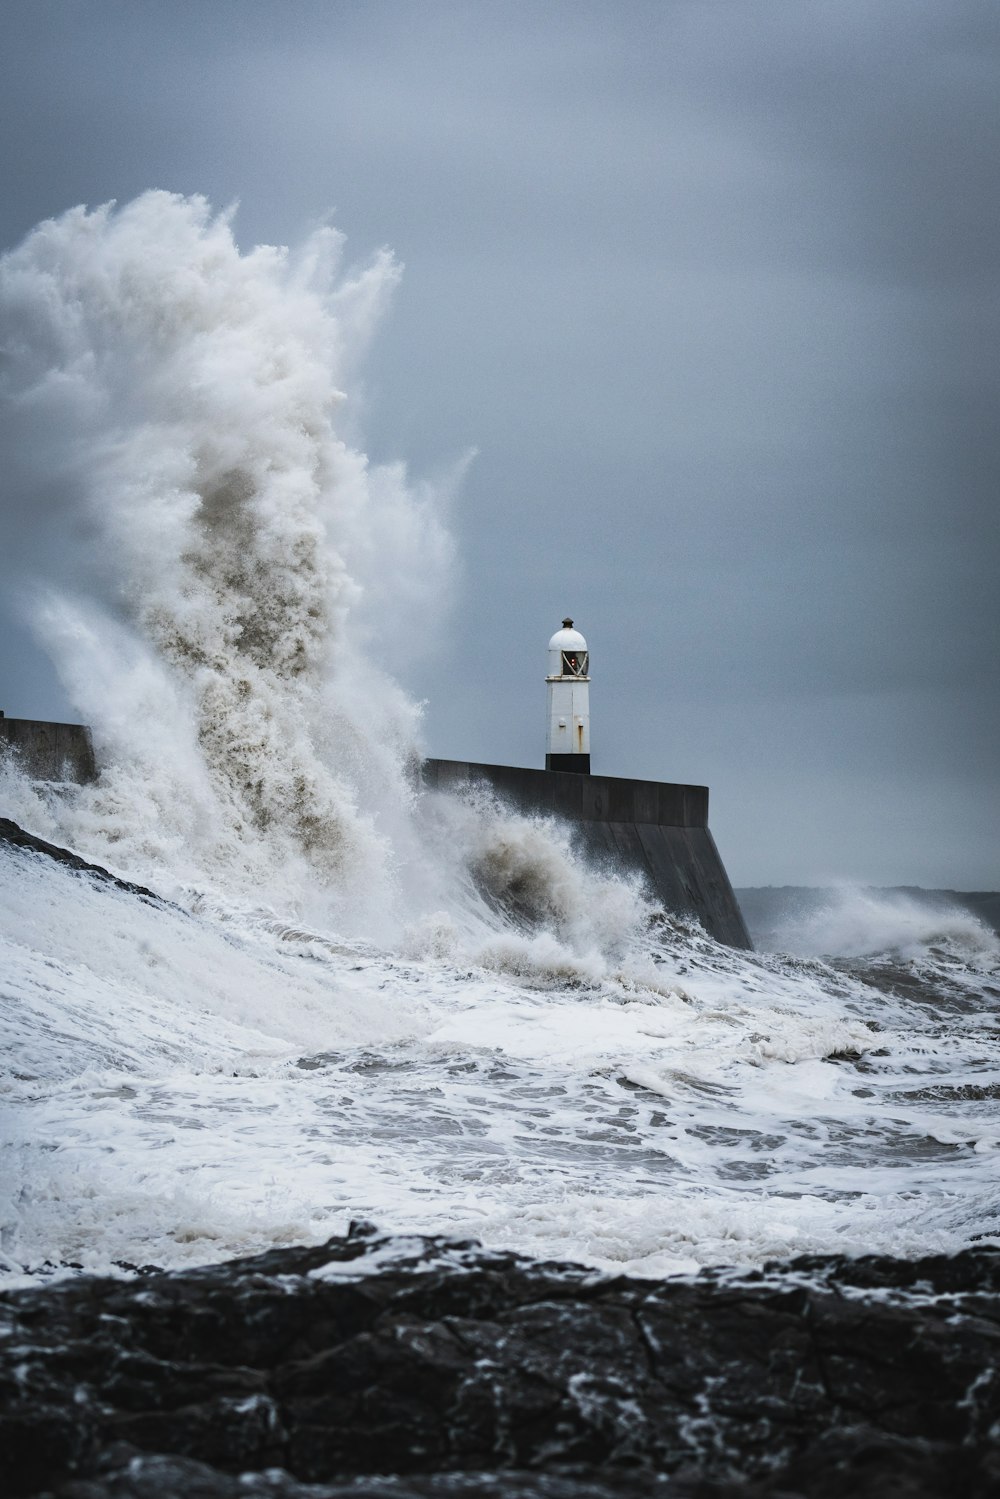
x: 567, y: 623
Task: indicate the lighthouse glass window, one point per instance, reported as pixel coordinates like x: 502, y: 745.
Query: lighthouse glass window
x: 575, y: 663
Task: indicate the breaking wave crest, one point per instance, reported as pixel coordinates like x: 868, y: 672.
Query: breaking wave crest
x: 221, y: 616
x: 853, y: 922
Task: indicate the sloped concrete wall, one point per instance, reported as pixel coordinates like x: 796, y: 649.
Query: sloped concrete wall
x: 49, y: 751
x: 658, y: 828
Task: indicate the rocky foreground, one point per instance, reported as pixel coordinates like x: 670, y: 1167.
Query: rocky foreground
x: 421, y: 1367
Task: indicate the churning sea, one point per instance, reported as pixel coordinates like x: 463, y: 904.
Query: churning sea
x: 195, y: 1078
x: 348, y: 999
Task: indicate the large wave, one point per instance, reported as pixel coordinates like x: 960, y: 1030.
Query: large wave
x: 216, y: 571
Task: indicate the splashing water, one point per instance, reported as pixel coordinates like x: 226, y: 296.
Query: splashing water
x: 233, y: 551
x: 849, y: 921
x: 361, y: 1000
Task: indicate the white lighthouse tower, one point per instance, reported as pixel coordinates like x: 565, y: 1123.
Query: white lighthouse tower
x: 567, y: 745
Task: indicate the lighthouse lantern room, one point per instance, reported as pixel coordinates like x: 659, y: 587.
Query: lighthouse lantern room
x: 567, y: 746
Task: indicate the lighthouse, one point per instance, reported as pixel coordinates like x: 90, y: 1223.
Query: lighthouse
x: 567, y: 745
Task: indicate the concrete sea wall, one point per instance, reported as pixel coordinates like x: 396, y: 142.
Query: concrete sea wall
x: 49, y: 751
x: 656, y: 827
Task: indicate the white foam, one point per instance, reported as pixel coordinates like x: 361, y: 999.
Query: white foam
x: 854, y: 921
x: 158, y: 1108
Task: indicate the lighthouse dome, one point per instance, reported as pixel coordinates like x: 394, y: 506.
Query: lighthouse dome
x: 567, y: 639
x: 568, y: 654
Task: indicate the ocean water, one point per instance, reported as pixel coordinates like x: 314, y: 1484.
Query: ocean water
x: 352, y: 998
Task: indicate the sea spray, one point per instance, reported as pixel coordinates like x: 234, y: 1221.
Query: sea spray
x: 176, y: 406
x: 855, y: 921
x: 219, y: 577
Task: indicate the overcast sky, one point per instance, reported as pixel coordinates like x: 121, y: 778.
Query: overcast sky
x: 711, y: 286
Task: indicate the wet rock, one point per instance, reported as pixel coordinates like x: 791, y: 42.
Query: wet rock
x: 17, y: 837
x: 423, y: 1367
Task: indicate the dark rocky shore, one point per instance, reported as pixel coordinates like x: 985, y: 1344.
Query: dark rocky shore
x: 427, y: 1367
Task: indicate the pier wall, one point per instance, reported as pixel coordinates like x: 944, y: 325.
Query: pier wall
x: 657, y: 828
x: 48, y: 751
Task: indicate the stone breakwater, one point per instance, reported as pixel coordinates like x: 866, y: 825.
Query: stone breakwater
x: 382, y: 1366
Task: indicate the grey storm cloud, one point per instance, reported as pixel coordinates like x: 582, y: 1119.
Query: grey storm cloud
x: 712, y: 292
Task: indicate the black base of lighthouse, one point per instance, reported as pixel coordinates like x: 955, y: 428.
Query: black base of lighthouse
x: 578, y: 763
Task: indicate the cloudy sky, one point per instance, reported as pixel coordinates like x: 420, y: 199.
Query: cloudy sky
x: 710, y: 286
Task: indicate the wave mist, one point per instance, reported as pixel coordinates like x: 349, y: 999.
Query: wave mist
x: 214, y: 567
